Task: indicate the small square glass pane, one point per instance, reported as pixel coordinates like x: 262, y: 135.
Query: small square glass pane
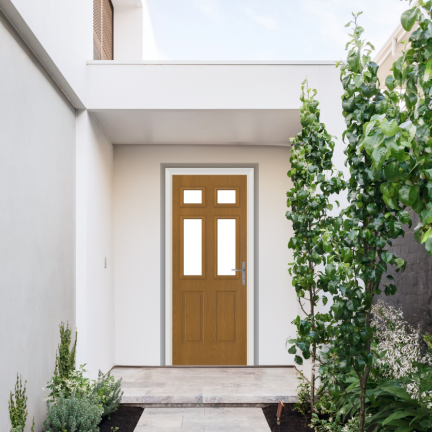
x: 226, y: 196
x: 192, y: 247
x: 226, y: 247
x: 192, y: 196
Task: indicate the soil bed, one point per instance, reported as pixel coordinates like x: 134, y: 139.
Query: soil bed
x: 125, y: 418
x: 291, y: 420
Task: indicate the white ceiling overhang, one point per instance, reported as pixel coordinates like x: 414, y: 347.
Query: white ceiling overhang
x: 251, y: 103
x: 237, y: 127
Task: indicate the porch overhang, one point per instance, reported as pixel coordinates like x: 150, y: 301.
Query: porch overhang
x: 216, y: 103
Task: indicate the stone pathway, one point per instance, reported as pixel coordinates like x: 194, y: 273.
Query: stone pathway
x: 202, y: 420
x: 203, y: 386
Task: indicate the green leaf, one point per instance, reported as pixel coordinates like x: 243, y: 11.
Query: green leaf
x: 408, y: 18
x: 428, y: 245
x: 426, y: 235
x: 373, y: 141
x: 392, y: 171
x: 298, y: 360
x: 404, y: 217
x: 324, y: 300
x: 404, y: 428
x: 398, y: 415
x: 347, y: 255
x: 390, y: 82
x: 408, y: 194
x: 379, y: 156
x: 352, y: 305
x: 428, y: 72
x: 354, y: 60
x: 330, y: 271
x: 304, y: 328
x: 387, y: 256
x: 292, y: 350
x: 354, y: 339
x: 389, y: 128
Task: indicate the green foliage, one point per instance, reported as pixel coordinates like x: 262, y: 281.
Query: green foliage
x: 65, y: 363
x: 428, y: 339
x: 407, y: 155
x: 375, y: 130
x: 18, y: 408
x: 303, y: 392
x: 108, y: 392
x: 72, y: 414
x: 314, y: 180
x: 75, y: 384
x: 389, y: 406
x: 326, y: 417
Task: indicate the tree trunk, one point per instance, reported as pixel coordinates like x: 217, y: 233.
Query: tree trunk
x: 362, y: 413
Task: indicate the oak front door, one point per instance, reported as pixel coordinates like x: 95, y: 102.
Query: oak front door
x: 209, y: 245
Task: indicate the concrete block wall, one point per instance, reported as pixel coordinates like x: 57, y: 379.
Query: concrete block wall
x: 414, y: 294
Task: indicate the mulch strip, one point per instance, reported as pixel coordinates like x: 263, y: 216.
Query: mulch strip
x: 291, y: 420
x: 125, y: 418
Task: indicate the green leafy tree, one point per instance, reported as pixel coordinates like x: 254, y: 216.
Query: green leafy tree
x: 309, y: 199
x: 354, y: 271
x: 409, y: 166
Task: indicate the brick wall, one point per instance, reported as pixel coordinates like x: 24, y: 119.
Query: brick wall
x: 414, y: 292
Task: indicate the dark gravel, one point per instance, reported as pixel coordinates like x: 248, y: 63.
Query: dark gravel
x: 125, y: 418
x: 292, y: 421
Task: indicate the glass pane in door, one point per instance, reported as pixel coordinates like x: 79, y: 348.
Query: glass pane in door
x: 226, y: 247
x: 192, y: 247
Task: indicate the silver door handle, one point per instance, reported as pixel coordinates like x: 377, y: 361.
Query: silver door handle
x: 244, y: 272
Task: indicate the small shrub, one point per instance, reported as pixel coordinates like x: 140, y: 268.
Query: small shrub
x: 108, y: 392
x: 72, y: 414
x: 303, y: 391
x: 76, y: 384
x: 65, y: 361
x: 18, y: 408
x: 326, y: 417
x: 402, y: 354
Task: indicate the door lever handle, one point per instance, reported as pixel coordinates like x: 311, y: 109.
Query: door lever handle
x: 243, y: 269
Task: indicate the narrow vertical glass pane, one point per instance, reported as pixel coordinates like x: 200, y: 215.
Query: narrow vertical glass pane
x: 226, y: 247
x: 192, y: 196
x: 226, y: 196
x: 192, y: 247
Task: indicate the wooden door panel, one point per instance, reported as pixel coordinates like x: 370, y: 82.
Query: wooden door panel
x: 209, y: 310
x: 226, y: 316
x: 192, y: 314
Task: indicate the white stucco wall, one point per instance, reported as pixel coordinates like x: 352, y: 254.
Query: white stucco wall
x: 64, y: 29
x: 133, y: 32
x: 37, y: 223
x: 95, y: 289
x: 137, y: 246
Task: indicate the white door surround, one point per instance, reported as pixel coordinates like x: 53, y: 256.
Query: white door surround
x: 169, y: 172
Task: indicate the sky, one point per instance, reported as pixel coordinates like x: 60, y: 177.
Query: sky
x: 266, y: 29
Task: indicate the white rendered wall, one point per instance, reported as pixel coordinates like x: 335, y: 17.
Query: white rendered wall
x: 133, y: 32
x: 65, y: 30
x: 137, y: 245
x: 95, y: 289
x: 37, y: 223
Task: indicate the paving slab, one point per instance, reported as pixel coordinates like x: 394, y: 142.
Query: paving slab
x: 202, y: 420
x: 201, y: 386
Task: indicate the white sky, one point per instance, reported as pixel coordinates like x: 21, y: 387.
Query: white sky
x: 266, y: 29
